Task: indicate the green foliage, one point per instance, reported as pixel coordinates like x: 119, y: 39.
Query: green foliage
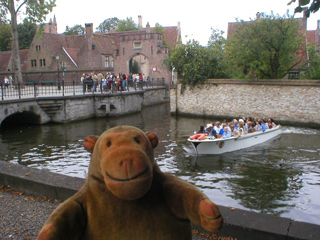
x: 126, y: 25
x: 159, y: 29
x: 266, y: 48
x: 75, y: 30
x: 313, y: 64
x: 26, y: 32
x: 5, y: 37
x: 34, y: 10
x: 313, y: 6
x: 108, y: 25
x: 196, y: 63
x: 134, y: 66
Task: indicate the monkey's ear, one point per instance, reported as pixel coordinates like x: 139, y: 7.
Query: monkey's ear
x: 153, y: 138
x: 90, y: 142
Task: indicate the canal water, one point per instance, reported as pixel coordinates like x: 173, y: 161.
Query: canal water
x: 280, y: 177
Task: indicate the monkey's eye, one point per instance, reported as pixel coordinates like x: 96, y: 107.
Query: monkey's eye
x: 136, y: 139
x: 109, y: 143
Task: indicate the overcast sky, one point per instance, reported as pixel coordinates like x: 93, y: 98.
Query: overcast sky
x: 196, y: 17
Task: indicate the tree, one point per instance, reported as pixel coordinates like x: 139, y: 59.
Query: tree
x: 108, y: 25
x: 75, y: 30
x: 313, y: 64
x: 312, y: 8
x: 216, y: 48
x: 134, y: 66
x: 159, y: 29
x: 195, y: 63
x: 268, y: 47
x: 126, y: 25
x: 35, y: 10
x: 26, y: 31
x: 5, y: 37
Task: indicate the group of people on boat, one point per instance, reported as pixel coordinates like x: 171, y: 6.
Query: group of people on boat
x: 235, y: 128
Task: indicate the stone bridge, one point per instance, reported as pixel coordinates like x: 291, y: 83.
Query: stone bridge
x: 61, y: 109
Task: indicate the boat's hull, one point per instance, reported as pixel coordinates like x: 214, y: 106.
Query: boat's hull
x: 219, y: 146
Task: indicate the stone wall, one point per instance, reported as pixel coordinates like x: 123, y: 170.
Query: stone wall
x: 63, y: 109
x: 295, y: 101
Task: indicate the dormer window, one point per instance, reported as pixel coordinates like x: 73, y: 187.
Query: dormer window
x: 38, y: 48
x: 93, y: 47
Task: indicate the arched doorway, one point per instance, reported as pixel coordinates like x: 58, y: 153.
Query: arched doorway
x: 139, y: 63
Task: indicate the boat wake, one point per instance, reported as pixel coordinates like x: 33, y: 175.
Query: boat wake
x: 295, y: 130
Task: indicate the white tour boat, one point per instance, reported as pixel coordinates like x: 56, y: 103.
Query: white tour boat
x: 211, y: 145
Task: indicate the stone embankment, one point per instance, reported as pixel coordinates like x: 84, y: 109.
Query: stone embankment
x: 287, y: 101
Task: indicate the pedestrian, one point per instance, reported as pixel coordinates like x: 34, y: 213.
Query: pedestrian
x: 99, y: 82
x: 6, y: 82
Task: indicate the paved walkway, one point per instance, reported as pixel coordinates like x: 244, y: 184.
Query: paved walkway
x: 22, y: 216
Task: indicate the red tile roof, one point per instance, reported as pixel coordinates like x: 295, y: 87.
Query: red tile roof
x: 4, y: 60
x: 172, y: 36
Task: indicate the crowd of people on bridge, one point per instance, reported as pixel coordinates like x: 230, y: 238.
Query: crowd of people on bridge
x: 236, y: 128
x: 111, y: 82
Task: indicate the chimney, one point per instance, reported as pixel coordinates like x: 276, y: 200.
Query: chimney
x: 148, y: 27
x: 139, y: 22
x: 89, y: 29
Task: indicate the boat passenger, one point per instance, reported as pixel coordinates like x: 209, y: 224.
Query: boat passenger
x: 250, y: 127
x: 217, y: 127
x: 211, y: 132
x: 226, y: 133
x: 263, y: 127
x: 264, y: 122
x: 234, y: 132
x: 271, y: 123
x: 201, y: 129
x: 236, y: 124
x: 258, y: 126
x: 222, y: 130
x: 242, y: 129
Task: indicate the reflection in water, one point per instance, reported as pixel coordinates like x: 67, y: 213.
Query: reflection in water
x: 280, y: 177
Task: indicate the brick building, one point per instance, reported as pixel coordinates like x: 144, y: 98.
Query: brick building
x: 111, y: 52
x: 311, y: 37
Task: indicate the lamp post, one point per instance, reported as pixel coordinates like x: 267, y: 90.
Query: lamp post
x: 58, y: 69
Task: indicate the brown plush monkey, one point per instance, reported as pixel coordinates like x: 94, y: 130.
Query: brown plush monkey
x: 126, y: 196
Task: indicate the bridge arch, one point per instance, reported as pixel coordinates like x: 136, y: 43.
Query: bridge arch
x: 20, y: 118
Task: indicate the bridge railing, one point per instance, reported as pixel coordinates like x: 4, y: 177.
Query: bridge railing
x: 64, y: 88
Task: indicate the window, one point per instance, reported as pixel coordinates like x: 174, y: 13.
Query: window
x: 294, y: 75
x: 123, y: 51
x: 112, y: 62
x: 93, y: 47
x: 42, y: 62
x: 137, y: 45
x: 33, y: 63
x: 151, y: 49
x: 106, y: 61
x: 38, y: 48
